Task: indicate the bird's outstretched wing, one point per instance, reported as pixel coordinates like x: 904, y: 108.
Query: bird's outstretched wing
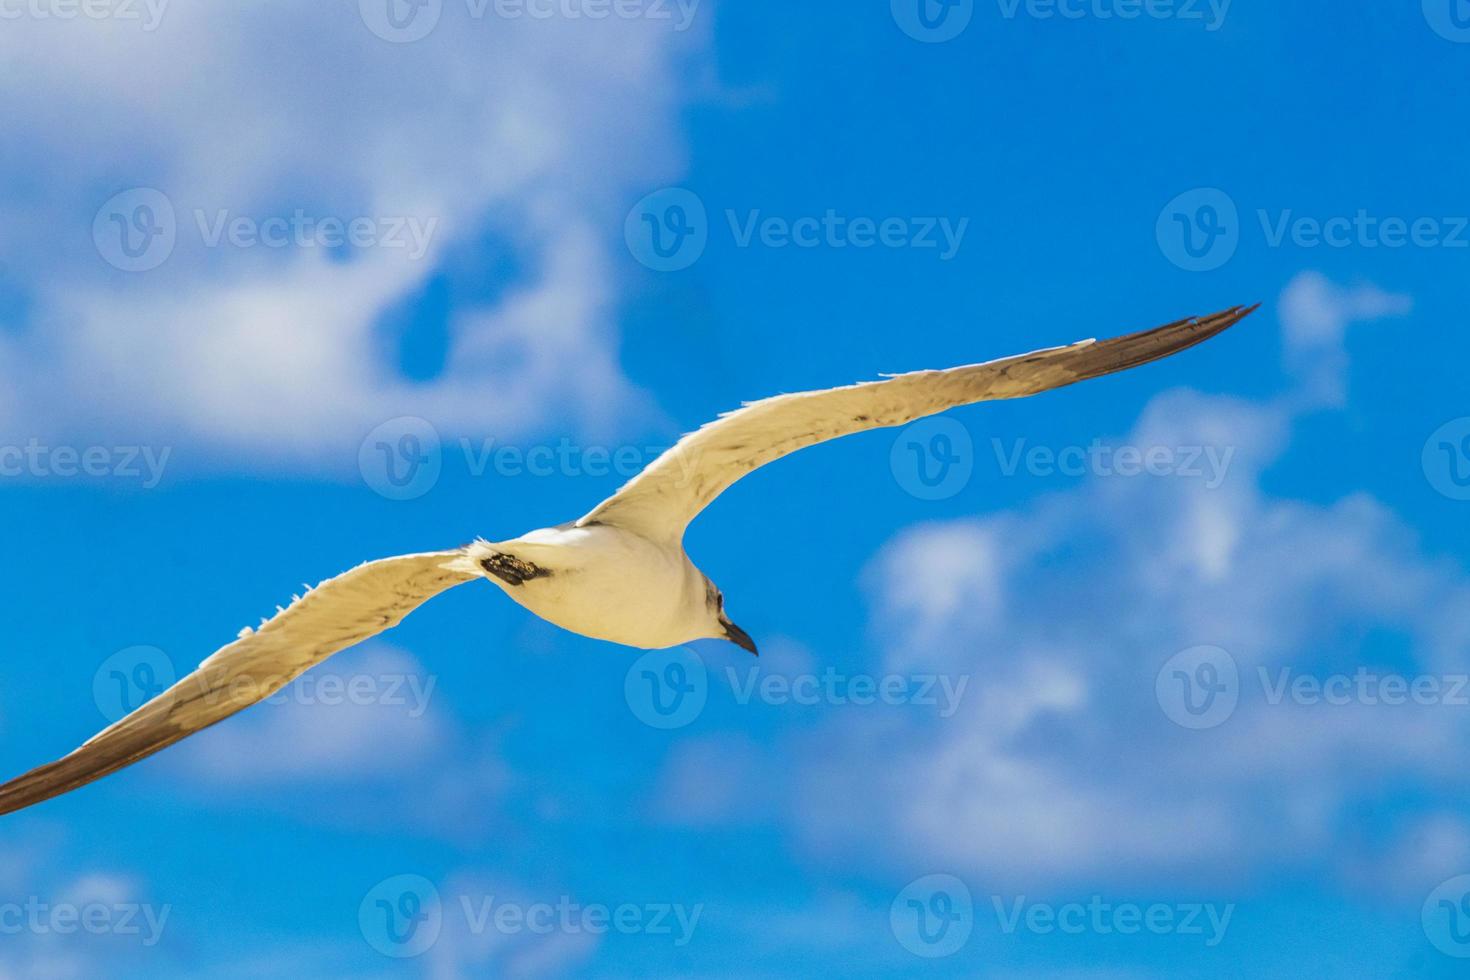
x: 335, y: 615
x: 660, y: 502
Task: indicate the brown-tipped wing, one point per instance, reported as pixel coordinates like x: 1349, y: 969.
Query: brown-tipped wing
x: 661, y: 501
x: 335, y: 615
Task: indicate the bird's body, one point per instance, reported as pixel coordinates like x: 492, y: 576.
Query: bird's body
x: 601, y: 581
x: 618, y: 574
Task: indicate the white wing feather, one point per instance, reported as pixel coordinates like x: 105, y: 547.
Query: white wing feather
x: 660, y: 502
x: 337, y: 614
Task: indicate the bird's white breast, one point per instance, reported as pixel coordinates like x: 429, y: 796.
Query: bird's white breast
x: 607, y: 583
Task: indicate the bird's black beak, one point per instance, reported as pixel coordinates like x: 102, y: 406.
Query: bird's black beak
x: 738, y: 636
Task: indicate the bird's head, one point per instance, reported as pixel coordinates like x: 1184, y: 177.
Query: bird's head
x: 722, y: 628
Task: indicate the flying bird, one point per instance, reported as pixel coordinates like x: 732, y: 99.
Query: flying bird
x: 620, y: 573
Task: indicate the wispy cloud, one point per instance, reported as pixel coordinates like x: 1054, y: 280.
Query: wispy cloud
x: 1315, y: 316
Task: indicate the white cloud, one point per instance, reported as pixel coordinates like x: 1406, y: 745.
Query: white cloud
x: 1315, y: 316
x: 1036, y: 780
x: 532, y: 131
x: 78, y: 928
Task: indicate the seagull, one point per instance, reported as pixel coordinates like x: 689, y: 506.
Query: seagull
x: 618, y: 574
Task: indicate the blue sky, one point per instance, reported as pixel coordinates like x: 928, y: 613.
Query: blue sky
x: 1139, y: 720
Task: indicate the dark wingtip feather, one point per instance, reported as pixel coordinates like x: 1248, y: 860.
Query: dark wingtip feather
x: 1135, y: 349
